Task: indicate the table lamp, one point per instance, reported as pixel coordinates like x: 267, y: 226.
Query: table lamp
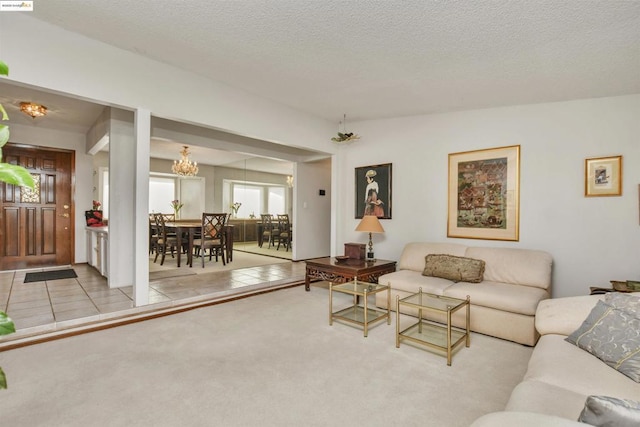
x: 370, y: 224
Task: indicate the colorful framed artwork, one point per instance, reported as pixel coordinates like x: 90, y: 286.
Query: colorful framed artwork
x: 603, y: 176
x: 373, y: 191
x: 484, y: 194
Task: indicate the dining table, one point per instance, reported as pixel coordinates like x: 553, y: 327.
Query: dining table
x: 189, y: 228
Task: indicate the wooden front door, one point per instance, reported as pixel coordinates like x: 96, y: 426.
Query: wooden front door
x: 36, y: 226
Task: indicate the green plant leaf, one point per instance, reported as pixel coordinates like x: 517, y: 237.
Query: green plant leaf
x: 4, y: 135
x: 6, y: 324
x: 3, y: 380
x: 5, y: 116
x: 4, y: 69
x: 16, y: 175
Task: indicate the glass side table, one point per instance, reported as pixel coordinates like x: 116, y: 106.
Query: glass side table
x: 359, y: 313
x: 432, y: 334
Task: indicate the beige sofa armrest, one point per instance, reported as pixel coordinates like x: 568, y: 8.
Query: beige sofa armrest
x: 564, y: 315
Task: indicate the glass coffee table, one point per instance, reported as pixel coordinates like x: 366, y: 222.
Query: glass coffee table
x: 434, y: 335
x: 359, y: 313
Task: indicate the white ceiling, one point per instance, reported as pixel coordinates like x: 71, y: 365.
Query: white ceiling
x: 367, y: 59
x: 373, y: 59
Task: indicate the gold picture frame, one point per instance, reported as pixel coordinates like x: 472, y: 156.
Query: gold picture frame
x: 603, y: 176
x: 484, y: 194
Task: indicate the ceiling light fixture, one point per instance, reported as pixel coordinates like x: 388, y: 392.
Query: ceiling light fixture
x: 33, y: 110
x: 344, y: 136
x: 185, y: 167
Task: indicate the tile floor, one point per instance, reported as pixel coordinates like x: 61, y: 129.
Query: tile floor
x: 48, y: 306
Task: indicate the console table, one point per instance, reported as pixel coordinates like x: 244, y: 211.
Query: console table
x: 332, y: 270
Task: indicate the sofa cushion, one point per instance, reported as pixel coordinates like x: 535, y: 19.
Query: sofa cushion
x: 501, y: 296
x: 562, y: 316
x: 411, y: 281
x: 613, y: 336
x: 545, y: 398
x: 413, y: 254
x: 607, y: 411
x: 454, y: 268
x: 516, y: 266
x: 555, y: 361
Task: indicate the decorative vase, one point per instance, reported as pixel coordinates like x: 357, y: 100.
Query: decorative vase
x: 94, y: 218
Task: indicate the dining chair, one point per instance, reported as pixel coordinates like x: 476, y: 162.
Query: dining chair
x: 169, y: 217
x: 153, y: 236
x: 284, y: 235
x: 269, y: 229
x: 165, y: 240
x: 212, y: 236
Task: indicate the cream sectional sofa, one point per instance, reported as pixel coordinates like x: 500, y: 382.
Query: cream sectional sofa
x: 502, y: 305
x: 560, y: 375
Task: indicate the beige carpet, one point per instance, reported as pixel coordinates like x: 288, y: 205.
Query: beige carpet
x: 267, y: 360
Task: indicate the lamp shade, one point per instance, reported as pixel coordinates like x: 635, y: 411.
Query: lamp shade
x: 370, y: 224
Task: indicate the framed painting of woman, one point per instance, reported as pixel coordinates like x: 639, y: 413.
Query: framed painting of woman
x: 373, y: 191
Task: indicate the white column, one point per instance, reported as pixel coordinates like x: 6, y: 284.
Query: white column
x: 142, y: 130
x: 122, y: 159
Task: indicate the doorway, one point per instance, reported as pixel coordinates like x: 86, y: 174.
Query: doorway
x: 37, y: 225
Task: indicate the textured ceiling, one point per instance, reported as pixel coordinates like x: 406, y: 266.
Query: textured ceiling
x: 374, y: 59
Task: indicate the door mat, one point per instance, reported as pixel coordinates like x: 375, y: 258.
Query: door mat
x: 68, y: 273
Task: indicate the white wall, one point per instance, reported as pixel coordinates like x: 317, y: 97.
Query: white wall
x: 312, y: 213
x: 592, y: 240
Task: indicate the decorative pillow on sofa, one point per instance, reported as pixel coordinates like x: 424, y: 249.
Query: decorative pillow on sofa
x: 612, y: 335
x: 622, y: 301
x: 454, y: 268
x: 604, y: 411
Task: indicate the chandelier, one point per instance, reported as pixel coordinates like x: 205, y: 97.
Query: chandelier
x: 33, y: 110
x: 185, y: 167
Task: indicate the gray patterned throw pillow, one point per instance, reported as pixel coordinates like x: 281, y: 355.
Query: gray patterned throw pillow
x: 605, y: 411
x: 630, y: 303
x: 613, y: 336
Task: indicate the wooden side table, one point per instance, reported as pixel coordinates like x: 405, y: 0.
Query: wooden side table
x: 328, y: 268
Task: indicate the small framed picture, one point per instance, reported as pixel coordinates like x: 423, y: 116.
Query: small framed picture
x: 373, y: 191
x: 603, y: 176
